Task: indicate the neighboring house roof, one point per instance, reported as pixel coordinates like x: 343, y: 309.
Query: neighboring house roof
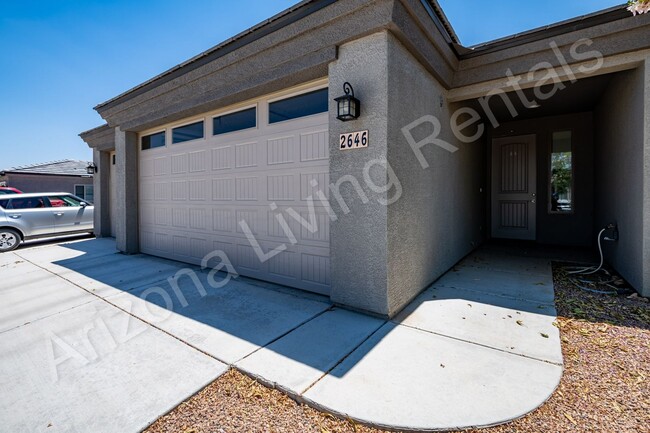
x: 65, y: 167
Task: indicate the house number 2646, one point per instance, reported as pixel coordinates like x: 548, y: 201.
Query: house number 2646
x: 353, y: 140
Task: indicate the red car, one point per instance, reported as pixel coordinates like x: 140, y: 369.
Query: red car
x: 9, y: 190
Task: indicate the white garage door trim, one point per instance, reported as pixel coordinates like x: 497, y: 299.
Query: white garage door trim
x: 194, y: 193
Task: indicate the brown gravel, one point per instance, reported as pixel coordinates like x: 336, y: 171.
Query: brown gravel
x: 605, y: 387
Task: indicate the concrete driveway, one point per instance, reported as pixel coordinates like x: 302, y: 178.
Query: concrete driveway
x: 93, y: 340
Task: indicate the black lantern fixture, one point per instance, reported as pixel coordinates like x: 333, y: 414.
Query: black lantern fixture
x: 348, y: 106
x: 92, y: 168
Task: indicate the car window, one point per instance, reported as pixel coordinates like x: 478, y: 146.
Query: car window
x: 4, y: 203
x: 27, y: 203
x: 63, y: 201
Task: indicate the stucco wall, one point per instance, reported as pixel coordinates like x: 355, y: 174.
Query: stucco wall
x: 417, y: 222
x: 439, y: 216
x: 127, y: 228
x: 622, y: 150
x: 45, y: 183
x: 358, y: 238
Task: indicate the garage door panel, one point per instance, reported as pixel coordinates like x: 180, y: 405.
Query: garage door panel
x: 246, y: 155
x: 161, y: 216
x: 179, y: 163
x: 222, y: 158
x: 194, y: 197
x: 280, y: 187
x: 180, y: 217
x: 179, y: 190
x: 247, y: 188
x: 161, y: 166
x: 198, y: 161
x: 223, y: 220
x: 313, y: 182
x: 314, y: 146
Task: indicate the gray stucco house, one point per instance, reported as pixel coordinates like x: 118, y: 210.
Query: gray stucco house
x: 66, y: 175
x: 543, y: 136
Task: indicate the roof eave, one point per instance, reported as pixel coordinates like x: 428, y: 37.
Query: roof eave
x: 573, y: 24
x: 267, y: 26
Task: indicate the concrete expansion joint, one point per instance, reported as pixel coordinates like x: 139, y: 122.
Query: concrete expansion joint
x: 282, y: 335
x: 47, y: 316
x: 515, y: 298
x: 368, y: 337
x: 559, y: 364
x: 121, y: 309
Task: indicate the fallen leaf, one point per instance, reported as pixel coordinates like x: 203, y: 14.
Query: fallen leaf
x: 544, y: 335
x: 520, y: 322
x: 570, y: 418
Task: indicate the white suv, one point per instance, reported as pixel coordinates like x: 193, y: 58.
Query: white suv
x: 37, y: 215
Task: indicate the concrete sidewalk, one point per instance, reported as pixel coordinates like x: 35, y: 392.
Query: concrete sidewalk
x: 477, y: 348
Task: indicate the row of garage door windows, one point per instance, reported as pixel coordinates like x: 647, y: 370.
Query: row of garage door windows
x: 294, y: 107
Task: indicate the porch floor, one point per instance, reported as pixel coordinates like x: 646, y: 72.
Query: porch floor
x: 477, y: 348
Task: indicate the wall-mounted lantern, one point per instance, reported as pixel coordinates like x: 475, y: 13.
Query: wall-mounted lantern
x: 348, y: 107
x: 92, y: 168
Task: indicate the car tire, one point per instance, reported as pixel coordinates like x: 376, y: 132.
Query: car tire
x: 9, y: 240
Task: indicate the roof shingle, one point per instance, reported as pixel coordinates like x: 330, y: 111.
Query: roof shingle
x: 64, y: 167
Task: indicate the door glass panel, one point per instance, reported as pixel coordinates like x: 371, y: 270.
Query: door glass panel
x: 234, y: 121
x: 561, y: 176
x: 193, y: 131
x: 298, y: 106
x: 151, y: 141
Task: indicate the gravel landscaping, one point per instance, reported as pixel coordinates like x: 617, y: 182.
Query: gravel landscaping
x: 605, y: 387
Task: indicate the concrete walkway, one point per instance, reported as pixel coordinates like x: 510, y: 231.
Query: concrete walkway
x: 98, y: 341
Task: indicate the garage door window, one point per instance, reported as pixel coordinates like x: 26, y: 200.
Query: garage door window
x: 237, y: 121
x: 298, y: 106
x: 193, y: 131
x: 151, y: 141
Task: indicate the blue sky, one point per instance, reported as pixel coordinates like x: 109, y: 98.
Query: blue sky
x: 60, y: 58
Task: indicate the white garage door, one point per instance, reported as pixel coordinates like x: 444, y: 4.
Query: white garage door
x: 259, y: 169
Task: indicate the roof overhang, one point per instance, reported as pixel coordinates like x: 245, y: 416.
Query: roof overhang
x: 298, y: 44
x: 100, y: 138
x: 294, y: 47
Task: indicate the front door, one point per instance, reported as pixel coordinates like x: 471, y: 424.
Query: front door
x: 513, y: 187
